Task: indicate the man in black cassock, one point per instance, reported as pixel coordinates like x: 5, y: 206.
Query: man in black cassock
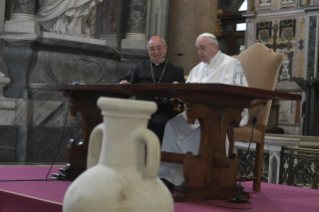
x: 157, y: 70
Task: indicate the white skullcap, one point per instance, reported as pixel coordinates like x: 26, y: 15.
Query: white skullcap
x: 207, y: 35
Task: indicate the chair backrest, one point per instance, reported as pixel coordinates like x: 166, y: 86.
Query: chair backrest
x: 261, y: 66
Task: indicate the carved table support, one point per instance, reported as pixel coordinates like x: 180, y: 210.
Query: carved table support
x: 210, y: 171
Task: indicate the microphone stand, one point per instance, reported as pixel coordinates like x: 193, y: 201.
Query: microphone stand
x: 238, y: 199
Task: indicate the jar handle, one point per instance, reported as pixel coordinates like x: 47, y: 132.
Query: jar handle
x: 95, y: 144
x: 152, y: 151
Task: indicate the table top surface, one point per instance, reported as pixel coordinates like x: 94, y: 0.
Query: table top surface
x: 169, y: 90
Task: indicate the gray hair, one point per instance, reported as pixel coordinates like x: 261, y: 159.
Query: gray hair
x: 156, y: 37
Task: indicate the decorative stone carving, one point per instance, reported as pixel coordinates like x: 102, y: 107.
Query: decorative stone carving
x: 69, y: 71
x: 7, y: 113
x: 66, y: 17
x: 264, y: 36
x: 3, y: 82
x: 287, y: 34
x: 285, y: 71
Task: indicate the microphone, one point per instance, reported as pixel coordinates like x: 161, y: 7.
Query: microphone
x: 254, y: 121
x: 148, y: 62
x: 178, y: 54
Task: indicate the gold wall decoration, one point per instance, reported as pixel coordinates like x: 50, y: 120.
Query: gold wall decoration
x: 219, y: 29
x: 287, y: 30
x: 264, y: 32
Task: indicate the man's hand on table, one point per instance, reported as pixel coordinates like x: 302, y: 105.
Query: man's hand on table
x: 124, y: 82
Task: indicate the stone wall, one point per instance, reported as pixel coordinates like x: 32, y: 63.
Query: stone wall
x: 288, y: 27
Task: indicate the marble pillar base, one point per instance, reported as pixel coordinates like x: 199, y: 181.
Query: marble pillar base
x: 134, y: 41
x: 111, y: 40
x: 7, y: 117
x: 22, y: 23
x: 18, y: 36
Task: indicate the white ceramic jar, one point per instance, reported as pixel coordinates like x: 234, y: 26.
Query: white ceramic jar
x: 121, y: 177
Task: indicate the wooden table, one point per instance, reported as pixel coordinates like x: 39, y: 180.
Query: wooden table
x: 210, y: 173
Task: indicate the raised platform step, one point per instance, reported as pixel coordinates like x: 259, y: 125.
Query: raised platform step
x: 47, y: 196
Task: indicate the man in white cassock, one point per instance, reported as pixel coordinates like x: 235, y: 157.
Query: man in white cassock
x: 66, y: 16
x: 181, y: 137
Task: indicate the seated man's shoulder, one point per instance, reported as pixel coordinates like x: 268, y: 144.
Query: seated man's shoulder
x: 228, y: 58
x: 225, y: 56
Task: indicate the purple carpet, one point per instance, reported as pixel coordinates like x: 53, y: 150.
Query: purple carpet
x: 48, y: 195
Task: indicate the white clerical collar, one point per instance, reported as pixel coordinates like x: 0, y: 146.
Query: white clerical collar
x: 213, y: 60
x: 159, y: 63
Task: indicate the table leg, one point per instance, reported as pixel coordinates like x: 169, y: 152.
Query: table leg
x: 210, y: 173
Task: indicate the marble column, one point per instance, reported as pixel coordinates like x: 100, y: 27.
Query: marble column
x: 23, y: 18
x: 250, y: 23
x: 136, y: 29
x: 3, y: 67
x: 110, y: 22
x: 157, y: 20
x: 187, y: 20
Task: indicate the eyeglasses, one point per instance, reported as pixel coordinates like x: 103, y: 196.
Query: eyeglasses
x: 159, y: 48
x: 202, y: 48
